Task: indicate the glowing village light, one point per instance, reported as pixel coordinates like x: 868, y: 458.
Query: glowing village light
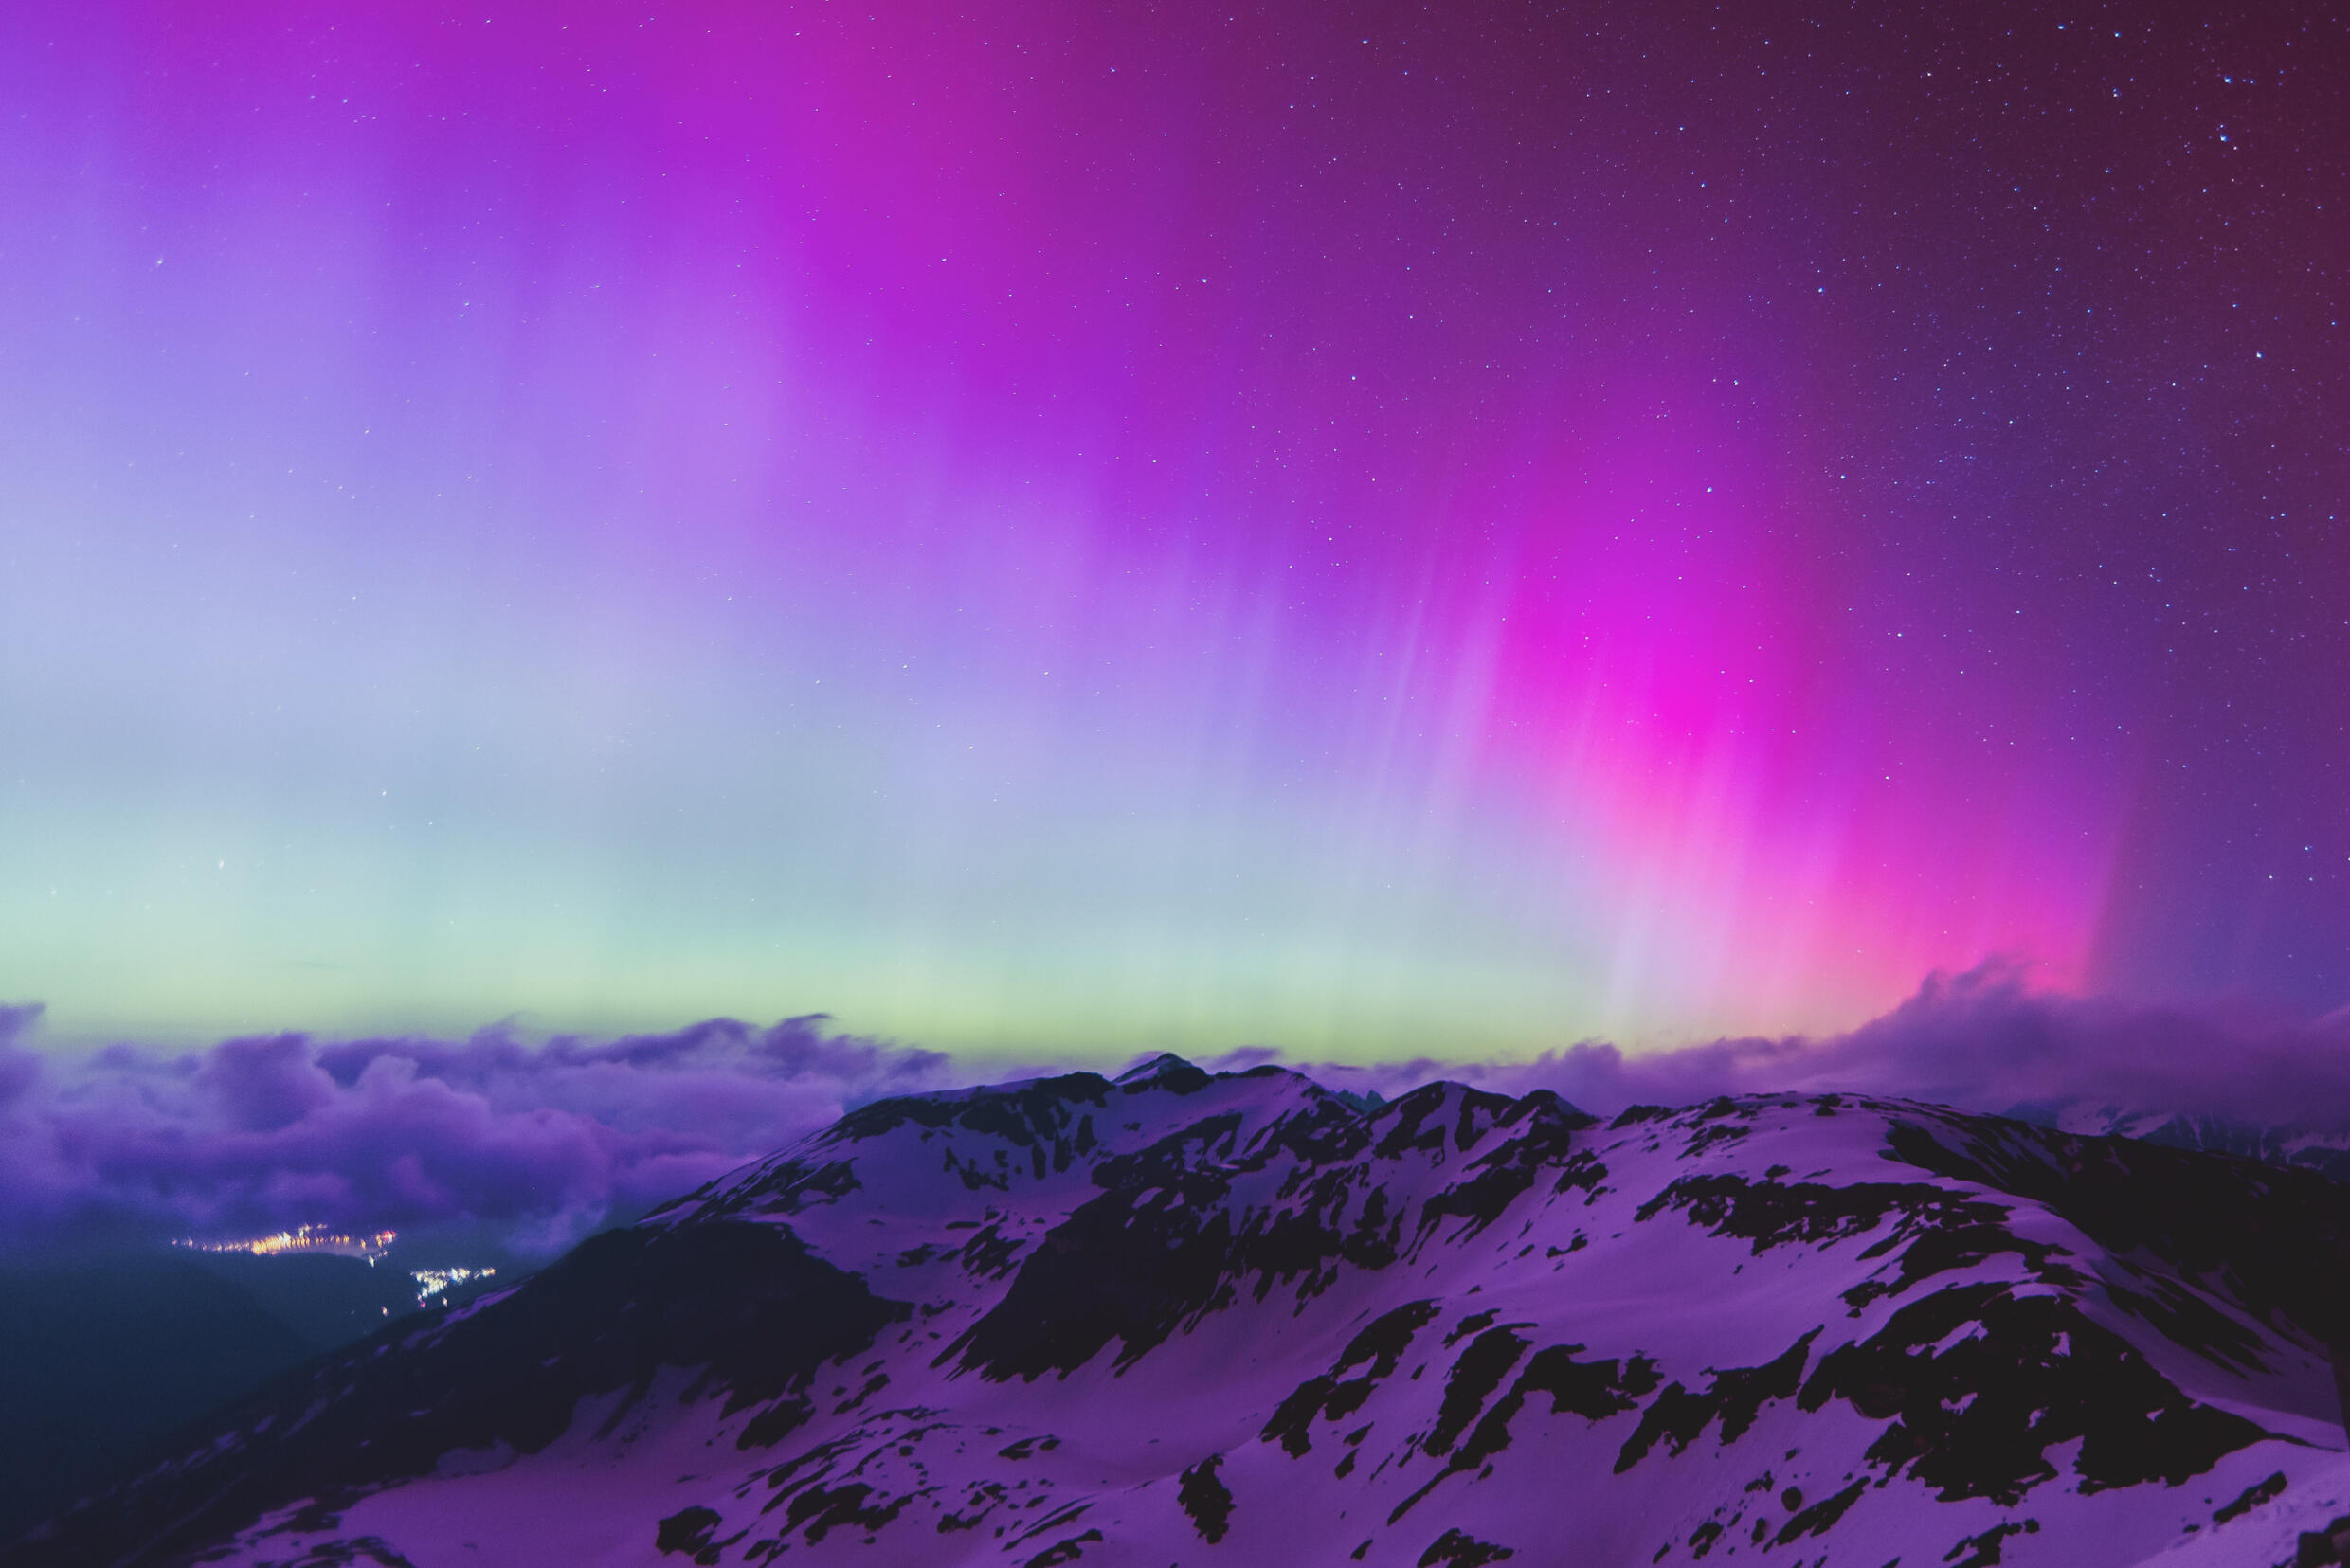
x: 305, y: 1238
x: 432, y: 1282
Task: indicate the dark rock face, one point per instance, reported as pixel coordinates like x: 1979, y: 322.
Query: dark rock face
x: 1734, y: 1399
x: 2281, y: 1237
x: 1977, y: 1420
x: 1160, y: 1247
x: 1334, y: 1395
x: 1458, y: 1549
x: 687, y: 1530
x: 1206, y: 1500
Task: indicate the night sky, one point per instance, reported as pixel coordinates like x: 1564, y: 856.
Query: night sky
x: 1084, y: 528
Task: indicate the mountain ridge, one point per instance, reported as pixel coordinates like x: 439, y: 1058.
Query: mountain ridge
x: 1447, y: 1328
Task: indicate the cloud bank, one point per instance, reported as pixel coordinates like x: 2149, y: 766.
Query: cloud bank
x: 549, y: 1141
x: 1982, y: 1041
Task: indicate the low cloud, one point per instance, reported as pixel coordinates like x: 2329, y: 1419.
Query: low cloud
x: 548, y: 1140
x: 1983, y: 1040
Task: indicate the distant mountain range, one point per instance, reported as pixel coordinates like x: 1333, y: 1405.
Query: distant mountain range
x: 2303, y: 1148
x: 1192, y: 1319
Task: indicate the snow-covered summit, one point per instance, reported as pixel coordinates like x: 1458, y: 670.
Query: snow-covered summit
x: 1192, y: 1317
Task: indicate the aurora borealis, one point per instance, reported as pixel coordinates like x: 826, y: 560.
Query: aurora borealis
x: 1057, y: 529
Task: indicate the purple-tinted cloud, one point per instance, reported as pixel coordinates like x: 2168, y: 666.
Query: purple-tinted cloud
x: 1983, y: 1040
x: 548, y: 1140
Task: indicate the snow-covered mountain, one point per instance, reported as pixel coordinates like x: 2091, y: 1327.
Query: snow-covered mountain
x: 1189, y: 1318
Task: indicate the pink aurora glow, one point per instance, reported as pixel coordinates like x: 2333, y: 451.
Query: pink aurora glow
x: 1130, y: 453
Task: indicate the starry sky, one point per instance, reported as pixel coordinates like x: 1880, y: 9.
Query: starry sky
x: 1038, y: 527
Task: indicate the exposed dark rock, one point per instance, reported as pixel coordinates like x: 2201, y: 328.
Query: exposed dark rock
x: 1594, y: 1389
x: 1460, y: 1549
x: 2249, y: 1498
x: 1205, y: 1499
x: 1735, y: 1396
x: 1474, y: 1375
x: 1334, y: 1397
x: 688, y: 1530
x: 1821, y: 1516
x: 1983, y: 1551
x: 1773, y: 1213
x: 818, y: 1509
x: 1069, y: 1550
x: 1130, y: 1266
x: 2018, y: 1376
x: 2279, y: 1238
x: 1510, y: 1170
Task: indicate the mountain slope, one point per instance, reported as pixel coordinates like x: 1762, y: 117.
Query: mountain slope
x: 1190, y: 1319
x: 101, y: 1359
x: 105, y: 1357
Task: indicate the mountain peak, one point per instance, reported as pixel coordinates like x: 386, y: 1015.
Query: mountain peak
x: 1167, y: 1069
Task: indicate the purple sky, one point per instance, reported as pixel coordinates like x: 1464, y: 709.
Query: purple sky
x: 1054, y: 531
